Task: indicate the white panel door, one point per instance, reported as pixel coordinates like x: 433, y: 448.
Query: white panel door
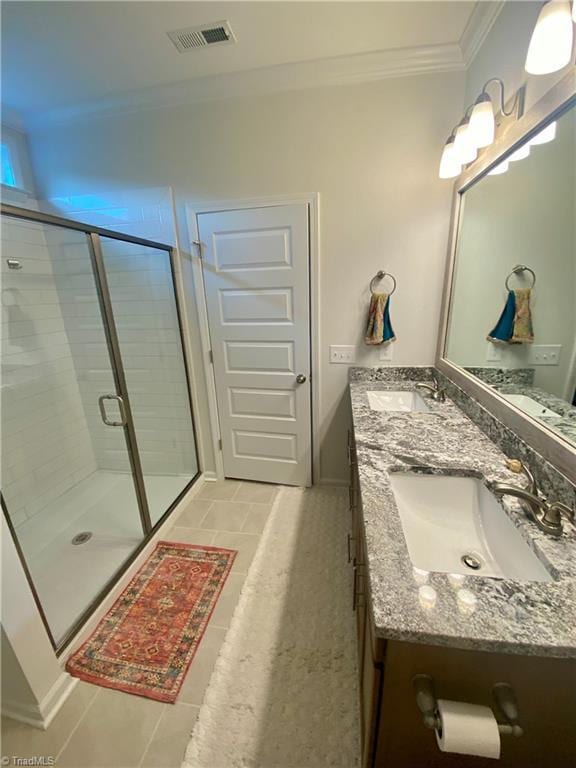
x: 256, y: 277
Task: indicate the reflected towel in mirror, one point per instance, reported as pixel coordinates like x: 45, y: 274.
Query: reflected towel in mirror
x: 515, y: 323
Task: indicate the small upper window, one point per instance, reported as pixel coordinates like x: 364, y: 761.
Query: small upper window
x: 8, y: 175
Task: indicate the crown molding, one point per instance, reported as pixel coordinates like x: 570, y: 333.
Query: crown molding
x: 338, y: 71
x: 479, y: 24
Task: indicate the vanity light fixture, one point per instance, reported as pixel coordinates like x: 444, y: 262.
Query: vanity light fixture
x: 521, y: 153
x: 546, y: 134
x: 450, y: 166
x: 464, y: 146
x: 482, y: 122
x: 550, y: 46
x: 477, y: 129
x: 499, y: 169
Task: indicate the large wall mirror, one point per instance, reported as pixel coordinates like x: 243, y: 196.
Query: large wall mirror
x: 510, y: 320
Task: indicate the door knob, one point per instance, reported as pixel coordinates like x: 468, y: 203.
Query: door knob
x: 300, y: 379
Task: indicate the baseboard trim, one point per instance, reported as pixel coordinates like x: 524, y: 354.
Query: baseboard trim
x: 331, y: 481
x: 41, y: 715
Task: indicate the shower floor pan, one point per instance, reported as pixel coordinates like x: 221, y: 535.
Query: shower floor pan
x: 68, y: 577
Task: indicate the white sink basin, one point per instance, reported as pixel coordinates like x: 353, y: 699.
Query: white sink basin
x: 531, y: 407
x: 446, y: 519
x: 383, y: 400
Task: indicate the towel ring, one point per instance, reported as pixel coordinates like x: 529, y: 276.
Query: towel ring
x: 379, y: 276
x: 516, y: 271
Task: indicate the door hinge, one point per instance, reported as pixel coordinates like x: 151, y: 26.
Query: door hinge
x: 220, y: 444
x: 198, y: 245
x: 211, y: 356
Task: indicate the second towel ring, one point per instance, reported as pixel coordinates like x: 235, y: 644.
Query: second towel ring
x: 379, y: 276
x: 520, y: 268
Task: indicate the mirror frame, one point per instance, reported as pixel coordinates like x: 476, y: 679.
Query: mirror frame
x: 559, y: 451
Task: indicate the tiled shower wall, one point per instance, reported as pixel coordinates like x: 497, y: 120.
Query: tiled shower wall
x: 46, y: 444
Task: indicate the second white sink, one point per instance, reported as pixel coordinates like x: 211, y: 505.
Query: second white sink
x: 384, y: 400
x: 456, y: 525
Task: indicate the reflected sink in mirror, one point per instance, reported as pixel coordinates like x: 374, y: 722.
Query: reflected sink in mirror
x: 407, y: 402
x: 456, y: 525
x: 531, y: 407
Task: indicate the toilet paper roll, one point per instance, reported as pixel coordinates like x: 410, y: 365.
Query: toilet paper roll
x: 467, y: 729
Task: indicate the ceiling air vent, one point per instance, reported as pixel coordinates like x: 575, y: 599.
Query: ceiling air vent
x: 191, y: 38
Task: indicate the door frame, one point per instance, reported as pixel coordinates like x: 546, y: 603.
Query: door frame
x: 312, y: 201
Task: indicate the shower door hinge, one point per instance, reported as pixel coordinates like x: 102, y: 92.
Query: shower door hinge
x: 220, y: 444
x: 211, y: 356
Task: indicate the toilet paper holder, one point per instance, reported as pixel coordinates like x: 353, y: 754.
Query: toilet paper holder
x: 504, y: 699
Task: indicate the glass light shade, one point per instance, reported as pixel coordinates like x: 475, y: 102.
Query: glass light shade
x: 499, y: 169
x: 449, y: 163
x: 550, y: 47
x: 464, y: 147
x: 520, y: 153
x: 482, y: 124
x: 546, y: 134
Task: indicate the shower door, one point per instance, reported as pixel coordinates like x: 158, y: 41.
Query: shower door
x: 141, y: 288
x: 62, y: 397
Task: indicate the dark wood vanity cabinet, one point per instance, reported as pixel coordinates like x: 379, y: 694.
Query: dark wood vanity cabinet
x: 392, y: 732
x: 369, y: 667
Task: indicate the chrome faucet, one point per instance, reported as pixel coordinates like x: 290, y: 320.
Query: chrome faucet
x: 547, y: 515
x: 437, y: 392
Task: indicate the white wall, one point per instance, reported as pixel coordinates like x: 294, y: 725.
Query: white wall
x: 370, y: 150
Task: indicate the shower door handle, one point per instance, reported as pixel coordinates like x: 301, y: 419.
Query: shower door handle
x: 118, y: 399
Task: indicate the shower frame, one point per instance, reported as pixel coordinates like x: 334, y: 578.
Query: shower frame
x: 93, y: 239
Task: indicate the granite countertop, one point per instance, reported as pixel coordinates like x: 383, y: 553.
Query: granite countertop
x: 530, y: 618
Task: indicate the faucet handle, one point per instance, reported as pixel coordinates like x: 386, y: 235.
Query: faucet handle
x: 517, y: 466
x: 564, y: 511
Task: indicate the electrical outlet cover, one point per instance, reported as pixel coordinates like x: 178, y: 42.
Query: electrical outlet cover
x: 493, y: 353
x: 545, y: 354
x: 386, y: 353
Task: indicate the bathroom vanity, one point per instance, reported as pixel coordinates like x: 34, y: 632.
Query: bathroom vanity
x: 456, y: 577
x: 451, y: 580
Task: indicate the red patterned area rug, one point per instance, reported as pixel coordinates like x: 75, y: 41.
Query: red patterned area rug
x: 145, y: 643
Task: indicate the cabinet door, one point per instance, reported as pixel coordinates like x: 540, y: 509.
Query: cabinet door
x: 545, y: 690
x: 370, y: 679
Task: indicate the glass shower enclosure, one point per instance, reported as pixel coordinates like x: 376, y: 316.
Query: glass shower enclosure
x: 97, y: 431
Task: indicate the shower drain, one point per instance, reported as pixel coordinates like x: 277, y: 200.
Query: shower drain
x: 471, y: 561
x: 82, y: 538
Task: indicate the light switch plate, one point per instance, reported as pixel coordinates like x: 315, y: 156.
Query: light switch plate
x: 342, y: 354
x: 386, y: 353
x: 545, y: 354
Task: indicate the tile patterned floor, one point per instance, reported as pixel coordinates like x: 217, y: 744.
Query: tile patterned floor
x: 101, y: 728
